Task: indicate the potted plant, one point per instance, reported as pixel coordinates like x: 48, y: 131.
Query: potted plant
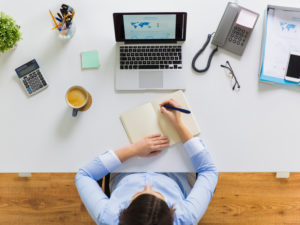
x: 9, y: 32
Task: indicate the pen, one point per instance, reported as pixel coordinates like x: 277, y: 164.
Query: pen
x: 178, y: 109
x: 59, y: 16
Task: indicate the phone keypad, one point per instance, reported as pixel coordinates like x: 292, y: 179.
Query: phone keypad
x: 238, y: 36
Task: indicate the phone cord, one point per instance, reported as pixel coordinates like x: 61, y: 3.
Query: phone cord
x: 199, y: 53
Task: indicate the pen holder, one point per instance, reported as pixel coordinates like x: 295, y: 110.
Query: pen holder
x: 67, y: 33
x: 63, y: 21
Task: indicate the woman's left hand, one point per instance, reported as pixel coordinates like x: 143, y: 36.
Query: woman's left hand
x: 150, y: 145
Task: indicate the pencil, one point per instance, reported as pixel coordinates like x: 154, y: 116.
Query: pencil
x: 53, y: 18
x: 56, y: 26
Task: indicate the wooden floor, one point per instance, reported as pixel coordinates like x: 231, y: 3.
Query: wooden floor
x: 240, y: 198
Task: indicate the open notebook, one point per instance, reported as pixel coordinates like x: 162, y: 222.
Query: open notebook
x: 147, y: 119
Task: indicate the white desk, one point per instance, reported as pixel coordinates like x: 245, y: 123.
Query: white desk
x: 256, y: 129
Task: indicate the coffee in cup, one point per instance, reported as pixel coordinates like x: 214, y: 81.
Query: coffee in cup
x: 76, y: 97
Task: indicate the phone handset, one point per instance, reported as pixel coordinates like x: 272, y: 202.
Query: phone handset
x: 226, y: 24
x: 232, y: 33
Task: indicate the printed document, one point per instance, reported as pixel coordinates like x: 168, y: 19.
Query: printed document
x: 282, y: 37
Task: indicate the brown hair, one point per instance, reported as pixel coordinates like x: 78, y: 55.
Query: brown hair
x: 147, y: 209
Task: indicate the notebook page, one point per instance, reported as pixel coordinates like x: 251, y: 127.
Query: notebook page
x: 188, y: 119
x: 140, y: 122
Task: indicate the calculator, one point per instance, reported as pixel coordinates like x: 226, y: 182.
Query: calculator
x: 31, y: 78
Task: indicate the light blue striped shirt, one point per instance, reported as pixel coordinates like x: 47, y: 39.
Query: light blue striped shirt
x: 190, y: 203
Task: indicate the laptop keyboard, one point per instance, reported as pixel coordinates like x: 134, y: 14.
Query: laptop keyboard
x: 150, y: 57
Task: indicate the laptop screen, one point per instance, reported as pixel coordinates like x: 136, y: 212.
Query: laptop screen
x: 150, y: 27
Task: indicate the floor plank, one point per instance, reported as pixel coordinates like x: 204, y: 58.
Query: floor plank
x: 42, y: 199
x: 255, y: 198
x: 240, y: 198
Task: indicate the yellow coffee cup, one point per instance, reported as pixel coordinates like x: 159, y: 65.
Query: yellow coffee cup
x: 76, y: 97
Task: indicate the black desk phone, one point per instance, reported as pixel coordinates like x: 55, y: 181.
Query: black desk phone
x: 232, y: 33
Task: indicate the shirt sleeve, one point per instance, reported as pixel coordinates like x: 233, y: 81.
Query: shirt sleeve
x: 86, y: 182
x: 201, y: 194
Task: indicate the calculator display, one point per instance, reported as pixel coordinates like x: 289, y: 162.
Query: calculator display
x: 28, y: 69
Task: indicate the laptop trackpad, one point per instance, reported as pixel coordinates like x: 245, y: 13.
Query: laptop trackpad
x: 151, y: 79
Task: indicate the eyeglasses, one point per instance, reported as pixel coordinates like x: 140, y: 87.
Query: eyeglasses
x: 232, y: 76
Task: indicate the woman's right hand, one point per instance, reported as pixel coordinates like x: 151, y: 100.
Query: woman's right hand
x: 173, y: 115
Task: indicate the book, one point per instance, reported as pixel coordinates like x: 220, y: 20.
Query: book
x: 147, y: 119
x: 89, y: 60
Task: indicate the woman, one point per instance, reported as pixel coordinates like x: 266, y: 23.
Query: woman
x: 149, y: 198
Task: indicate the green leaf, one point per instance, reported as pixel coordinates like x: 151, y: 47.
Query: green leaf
x: 9, y: 32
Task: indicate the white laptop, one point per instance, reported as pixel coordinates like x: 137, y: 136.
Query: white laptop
x: 149, y: 51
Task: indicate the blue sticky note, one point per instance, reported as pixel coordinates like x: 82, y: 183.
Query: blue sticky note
x: 89, y: 60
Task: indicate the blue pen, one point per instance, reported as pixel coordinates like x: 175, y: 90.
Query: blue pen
x: 178, y: 109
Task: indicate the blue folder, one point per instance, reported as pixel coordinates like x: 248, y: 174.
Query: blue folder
x: 268, y: 77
